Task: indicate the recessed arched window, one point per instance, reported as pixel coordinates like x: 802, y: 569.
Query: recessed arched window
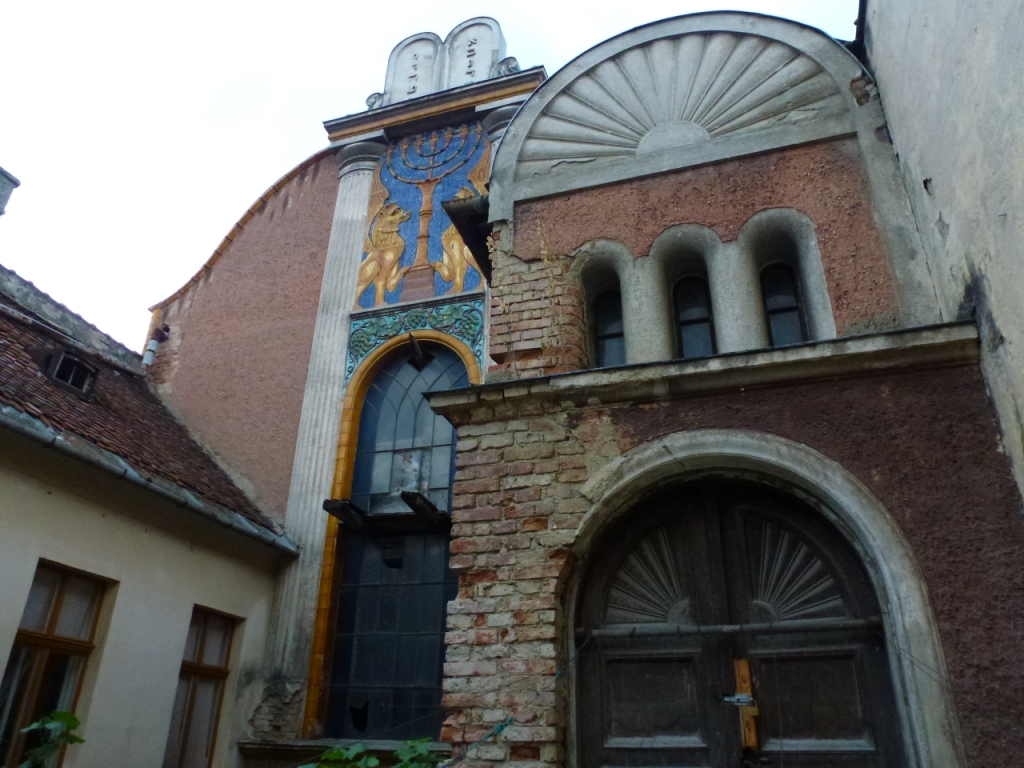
x: 695, y: 330
x: 609, y: 336
x: 395, y: 583
x: 403, y: 445
x: 783, y: 310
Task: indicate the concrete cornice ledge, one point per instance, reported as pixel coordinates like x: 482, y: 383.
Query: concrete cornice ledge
x: 927, y: 347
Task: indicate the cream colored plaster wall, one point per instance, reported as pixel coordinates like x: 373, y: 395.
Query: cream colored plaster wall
x: 160, y: 565
x: 951, y: 78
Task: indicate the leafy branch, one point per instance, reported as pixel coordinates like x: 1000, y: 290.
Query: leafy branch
x: 56, y: 732
x: 411, y: 754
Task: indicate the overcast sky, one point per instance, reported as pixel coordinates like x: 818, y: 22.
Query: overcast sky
x: 141, y: 131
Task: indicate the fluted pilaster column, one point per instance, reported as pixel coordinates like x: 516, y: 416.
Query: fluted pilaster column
x: 316, y: 448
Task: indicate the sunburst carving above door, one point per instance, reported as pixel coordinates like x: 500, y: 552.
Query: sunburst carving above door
x: 649, y: 587
x: 675, y: 92
x: 789, y: 580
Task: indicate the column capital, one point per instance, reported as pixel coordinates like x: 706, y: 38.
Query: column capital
x: 360, y: 156
x: 497, y: 121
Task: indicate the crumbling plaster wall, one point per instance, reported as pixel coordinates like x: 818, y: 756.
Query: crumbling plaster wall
x: 951, y: 79
x: 924, y: 442
x: 234, y: 368
x: 538, y: 323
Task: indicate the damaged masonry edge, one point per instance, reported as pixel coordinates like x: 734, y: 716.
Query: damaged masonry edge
x: 79, y: 448
x: 851, y: 356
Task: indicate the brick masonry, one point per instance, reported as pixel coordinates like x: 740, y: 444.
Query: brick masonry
x: 241, y: 334
x: 925, y: 442
x: 538, y: 323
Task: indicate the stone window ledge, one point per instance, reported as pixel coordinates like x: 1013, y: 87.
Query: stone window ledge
x: 848, y: 357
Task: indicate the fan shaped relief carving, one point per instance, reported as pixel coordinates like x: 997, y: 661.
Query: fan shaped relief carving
x: 790, y: 582
x: 649, y: 587
x: 674, y: 92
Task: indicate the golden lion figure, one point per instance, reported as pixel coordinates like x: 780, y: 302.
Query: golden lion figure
x: 456, y: 259
x: 384, y: 247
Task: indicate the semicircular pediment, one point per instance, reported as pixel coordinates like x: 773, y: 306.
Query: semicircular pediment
x: 675, y: 92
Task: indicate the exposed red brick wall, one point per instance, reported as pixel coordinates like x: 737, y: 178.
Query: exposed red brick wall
x: 926, y: 443
x: 234, y: 368
x: 825, y: 181
x: 538, y: 323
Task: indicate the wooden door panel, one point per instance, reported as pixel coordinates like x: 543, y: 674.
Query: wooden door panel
x: 653, y: 703
x: 812, y: 698
x: 720, y: 572
x: 655, y: 706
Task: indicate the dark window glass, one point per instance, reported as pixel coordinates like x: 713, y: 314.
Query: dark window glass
x: 389, y: 638
x: 782, y: 305
x: 385, y: 679
x: 609, y: 342
x: 74, y: 373
x: 403, y: 445
x: 695, y: 332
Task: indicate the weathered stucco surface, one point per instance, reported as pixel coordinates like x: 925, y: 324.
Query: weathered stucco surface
x: 951, y: 77
x: 161, y: 561
x: 825, y: 181
x: 924, y: 442
x: 234, y: 368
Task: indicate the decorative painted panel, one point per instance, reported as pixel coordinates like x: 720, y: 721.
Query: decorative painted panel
x: 463, y: 320
x: 412, y: 250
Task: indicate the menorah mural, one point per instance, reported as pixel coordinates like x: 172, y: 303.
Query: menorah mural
x: 407, y: 257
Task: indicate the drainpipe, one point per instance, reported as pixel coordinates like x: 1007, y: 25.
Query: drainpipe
x: 160, y: 335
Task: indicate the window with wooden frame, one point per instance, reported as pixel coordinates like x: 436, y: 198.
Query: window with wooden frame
x: 47, y: 662
x: 200, y: 691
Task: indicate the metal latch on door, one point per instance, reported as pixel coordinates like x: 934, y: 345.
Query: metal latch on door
x: 744, y: 699
x: 740, y: 700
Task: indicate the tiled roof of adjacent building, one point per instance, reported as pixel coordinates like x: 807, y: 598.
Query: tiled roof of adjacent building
x: 120, y: 414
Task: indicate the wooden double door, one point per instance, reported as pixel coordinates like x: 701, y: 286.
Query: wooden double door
x: 728, y: 625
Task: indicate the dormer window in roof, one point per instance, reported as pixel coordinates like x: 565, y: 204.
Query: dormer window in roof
x: 72, y: 373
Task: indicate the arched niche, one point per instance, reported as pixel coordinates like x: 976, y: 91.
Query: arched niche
x: 728, y: 84
x: 786, y: 235
x: 645, y: 304
x: 692, y: 251
x: 928, y: 726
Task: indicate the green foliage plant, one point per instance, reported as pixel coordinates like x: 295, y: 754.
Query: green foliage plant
x: 410, y: 754
x: 56, y: 733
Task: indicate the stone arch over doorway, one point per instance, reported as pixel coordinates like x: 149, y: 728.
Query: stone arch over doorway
x: 917, y: 664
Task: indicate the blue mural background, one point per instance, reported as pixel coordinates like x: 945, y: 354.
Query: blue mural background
x: 412, y: 161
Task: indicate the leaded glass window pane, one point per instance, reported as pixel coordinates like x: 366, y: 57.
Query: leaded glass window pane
x: 403, y: 445
x: 385, y: 680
